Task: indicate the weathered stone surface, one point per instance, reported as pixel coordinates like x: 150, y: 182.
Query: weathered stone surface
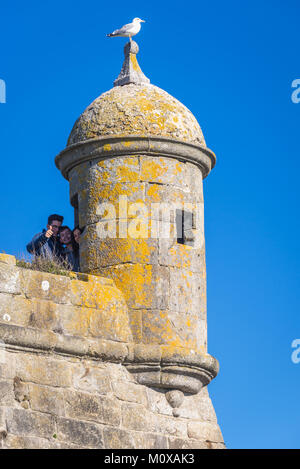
x: 46, y: 399
x: 137, y: 110
x: 143, y: 286
x: 91, y: 379
x: 43, y: 314
x: 180, y: 443
x: 170, y: 426
x: 15, y: 309
x: 129, y: 392
x: 165, y: 171
x: 84, y: 434
x: 205, y: 431
x: 7, y: 259
x: 116, y: 438
x: 9, y: 279
x: 23, y: 423
x: 43, y: 370
x: 111, y: 249
x: 168, y: 327
x: 27, y: 442
x: 46, y: 286
x: 84, y: 406
x: 198, y: 407
x: 158, y: 403
x: 136, y: 417
x: 6, y: 393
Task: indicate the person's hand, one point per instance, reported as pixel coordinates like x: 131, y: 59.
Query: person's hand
x: 49, y: 232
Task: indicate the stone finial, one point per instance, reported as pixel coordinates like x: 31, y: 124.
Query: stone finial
x: 131, y: 72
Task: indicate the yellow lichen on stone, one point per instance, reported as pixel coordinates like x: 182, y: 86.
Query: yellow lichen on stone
x: 137, y: 110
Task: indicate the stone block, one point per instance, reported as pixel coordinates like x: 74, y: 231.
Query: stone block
x: 7, y: 259
x: 116, y: 170
x: 84, y: 434
x: 129, y: 392
x: 15, y: 309
x: 182, y: 256
x: 26, y: 442
x: 180, y: 443
x: 26, y: 423
x: 157, y: 401
x: 136, y: 417
x: 168, y: 327
x: 72, y: 320
x: 143, y: 286
x: 46, y: 399
x: 78, y: 178
x: 9, y: 279
x: 116, y: 438
x: 164, y: 171
x: 103, y: 201
x: 107, y: 247
x: 41, y: 369
x: 204, y: 431
x: 46, y: 286
x: 7, y: 363
x: 91, y: 379
x: 187, y: 292
x: 170, y: 426
x: 43, y: 314
x: 6, y: 393
x: 84, y: 406
x: 198, y: 407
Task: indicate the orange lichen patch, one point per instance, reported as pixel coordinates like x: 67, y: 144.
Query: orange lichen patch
x: 134, y: 63
x: 152, y: 169
x: 107, y: 147
x: 165, y: 327
x: 136, y: 281
x: 112, y: 251
x: 124, y: 169
x: 137, y: 110
x: 154, y: 192
x: 127, y: 144
x: 178, y: 168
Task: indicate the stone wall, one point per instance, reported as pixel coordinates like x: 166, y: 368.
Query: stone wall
x: 65, y: 379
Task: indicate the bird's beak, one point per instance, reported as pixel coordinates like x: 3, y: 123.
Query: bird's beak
x: 143, y: 21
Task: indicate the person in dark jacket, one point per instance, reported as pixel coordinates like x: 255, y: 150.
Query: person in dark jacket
x: 47, y: 243
x: 70, y: 250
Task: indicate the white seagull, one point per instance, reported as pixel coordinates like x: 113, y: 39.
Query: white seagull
x: 128, y: 30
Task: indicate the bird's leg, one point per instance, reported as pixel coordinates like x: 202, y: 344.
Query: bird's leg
x: 130, y: 38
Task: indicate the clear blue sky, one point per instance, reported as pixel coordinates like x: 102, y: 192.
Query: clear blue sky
x: 232, y: 64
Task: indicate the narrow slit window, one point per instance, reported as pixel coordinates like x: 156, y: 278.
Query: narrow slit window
x: 74, y: 203
x: 184, y: 227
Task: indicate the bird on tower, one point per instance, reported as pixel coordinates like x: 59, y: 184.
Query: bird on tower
x: 128, y: 30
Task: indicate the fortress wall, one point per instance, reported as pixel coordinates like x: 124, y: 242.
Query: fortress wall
x: 64, y: 342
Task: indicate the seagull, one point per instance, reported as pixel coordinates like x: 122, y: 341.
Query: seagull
x: 128, y: 30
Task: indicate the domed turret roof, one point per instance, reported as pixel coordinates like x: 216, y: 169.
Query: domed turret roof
x: 134, y: 107
x: 137, y: 109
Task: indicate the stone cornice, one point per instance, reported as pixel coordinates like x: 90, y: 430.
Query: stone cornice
x: 112, y: 147
x: 152, y: 365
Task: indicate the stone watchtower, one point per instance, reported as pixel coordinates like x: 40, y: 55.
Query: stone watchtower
x: 136, y: 159
x: 116, y: 356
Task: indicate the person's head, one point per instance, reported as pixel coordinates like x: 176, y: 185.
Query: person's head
x: 55, y: 221
x: 77, y: 232
x: 65, y: 234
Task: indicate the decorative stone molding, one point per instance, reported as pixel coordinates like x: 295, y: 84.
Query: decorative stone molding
x: 168, y: 367
x: 156, y: 366
x: 112, y: 147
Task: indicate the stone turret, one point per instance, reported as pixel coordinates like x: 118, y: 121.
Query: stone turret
x: 135, y: 160
x: 116, y: 356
